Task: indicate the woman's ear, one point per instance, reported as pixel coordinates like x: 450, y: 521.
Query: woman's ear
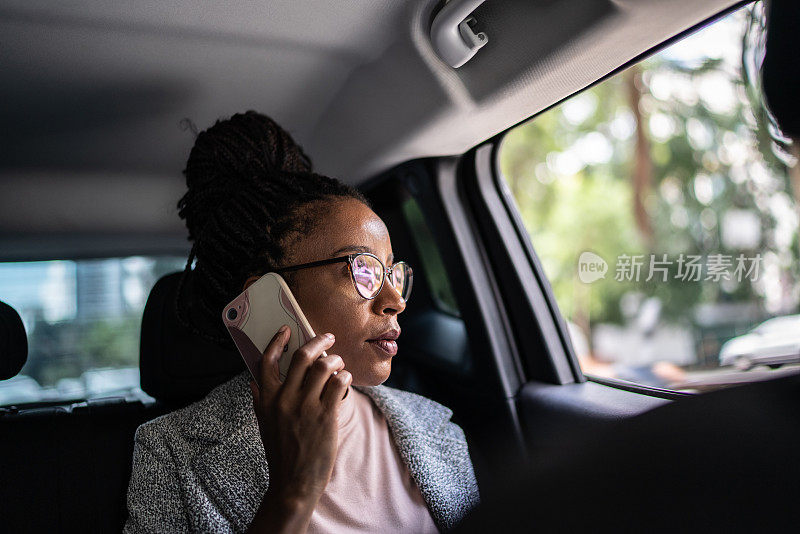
x: 250, y: 281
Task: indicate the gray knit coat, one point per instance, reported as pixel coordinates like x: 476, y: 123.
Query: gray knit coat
x: 202, y: 468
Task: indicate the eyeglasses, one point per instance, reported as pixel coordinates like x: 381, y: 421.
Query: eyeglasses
x: 368, y: 274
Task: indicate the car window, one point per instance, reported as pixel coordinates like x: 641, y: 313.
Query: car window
x: 661, y: 207
x: 431, y: 260
x: 82, y: 319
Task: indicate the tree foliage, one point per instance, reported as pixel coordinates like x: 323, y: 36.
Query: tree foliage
x: 710, y: 166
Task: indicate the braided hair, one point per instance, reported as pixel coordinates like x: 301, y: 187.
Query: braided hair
x: 250, y: 190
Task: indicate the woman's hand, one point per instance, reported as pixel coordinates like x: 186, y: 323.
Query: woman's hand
x: 298, y: 423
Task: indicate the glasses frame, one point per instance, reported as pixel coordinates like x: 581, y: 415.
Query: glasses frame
x: 349, y: 259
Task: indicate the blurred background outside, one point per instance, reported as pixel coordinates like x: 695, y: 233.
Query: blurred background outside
x: 663, y: 206
x: 83, y: 320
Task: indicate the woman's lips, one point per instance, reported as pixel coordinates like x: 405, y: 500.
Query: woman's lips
x: 389, y: 346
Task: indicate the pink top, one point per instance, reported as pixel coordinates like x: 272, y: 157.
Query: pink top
x: 370, y: 489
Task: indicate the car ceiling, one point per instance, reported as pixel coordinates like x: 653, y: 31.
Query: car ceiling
x: 95, y: 93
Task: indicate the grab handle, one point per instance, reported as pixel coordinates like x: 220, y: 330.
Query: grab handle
x: 451, y: 34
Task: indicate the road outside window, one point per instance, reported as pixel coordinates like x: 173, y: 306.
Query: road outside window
x: 663, y: 205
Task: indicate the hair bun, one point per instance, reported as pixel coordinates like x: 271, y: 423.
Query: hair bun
x: 248, y: 182
x: 247, y: 147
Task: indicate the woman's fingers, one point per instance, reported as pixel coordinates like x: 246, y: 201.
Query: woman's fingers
x: 321, y: 370
x: 335, y: 389
x: 303, y: 358
x: 268, y: 371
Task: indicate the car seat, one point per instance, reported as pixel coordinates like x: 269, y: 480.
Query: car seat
x: 177, y: 366
x: 13, y: 342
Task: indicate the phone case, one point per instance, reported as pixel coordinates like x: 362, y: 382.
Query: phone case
x: 253, y: 318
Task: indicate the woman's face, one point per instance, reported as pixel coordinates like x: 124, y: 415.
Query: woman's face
x: 328, y: 298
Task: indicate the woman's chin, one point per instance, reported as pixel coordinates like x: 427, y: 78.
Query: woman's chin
x: 370, y: 367
x: 374, y: 375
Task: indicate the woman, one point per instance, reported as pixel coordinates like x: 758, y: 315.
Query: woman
x: 329, y: 449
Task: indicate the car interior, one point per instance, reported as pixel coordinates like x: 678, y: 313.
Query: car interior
x: 101, y: 105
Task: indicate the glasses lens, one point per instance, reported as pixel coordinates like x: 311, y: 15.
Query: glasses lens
x: 401, y: 279
x: 367, y: 274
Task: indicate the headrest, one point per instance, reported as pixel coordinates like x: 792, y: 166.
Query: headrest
x: 13, y: 342
x: 780, y: 71
x: 177, y: 366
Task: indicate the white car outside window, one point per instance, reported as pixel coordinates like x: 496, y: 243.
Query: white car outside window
x: 774, y: 342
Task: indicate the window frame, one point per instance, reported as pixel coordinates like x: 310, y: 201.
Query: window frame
x: 529, y: 297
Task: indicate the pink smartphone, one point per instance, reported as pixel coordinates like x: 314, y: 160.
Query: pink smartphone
x: 253, y: 318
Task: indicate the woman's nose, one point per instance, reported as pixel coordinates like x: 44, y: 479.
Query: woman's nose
x: 389, y: 301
